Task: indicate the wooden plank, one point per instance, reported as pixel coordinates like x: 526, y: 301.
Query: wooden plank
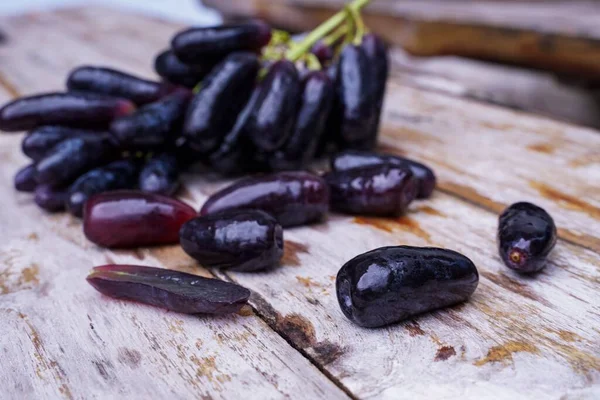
x: 62, y: 339
x: 523, y: 89
x: 518, y: 337
x: 561, y: 36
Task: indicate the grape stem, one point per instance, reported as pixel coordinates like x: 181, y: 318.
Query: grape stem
x: 323, y: 30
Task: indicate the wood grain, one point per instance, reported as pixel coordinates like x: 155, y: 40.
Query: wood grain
x: 561, y: 36
x: 517, y: 337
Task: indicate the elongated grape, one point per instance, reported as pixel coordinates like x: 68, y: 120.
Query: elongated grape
x: 83, y: 110
x: 293, y: 198
x: 240, y: 240
x: 111, y: 82
x: 375, y: 190
x: 125, y: 219
x: 160, y: 175
x: 168, y: 66
x: 153, y: 125
x: 72, y: 157
x: 222, y: 96
x: 390, y: 284
x: 50, y: 198
x: 122, y: 174
x: 40, y: 141
x: 526, y: 235
x: 172, y: 290
x: 196, y: 45
x: 376, y: 53
x: 25, y: 179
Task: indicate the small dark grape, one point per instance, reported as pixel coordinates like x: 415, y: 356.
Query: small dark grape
x: 50, y: 198
x: 160, y: 175
x: 168, y: 66
x: 42, y: 140
x: 25, y: 179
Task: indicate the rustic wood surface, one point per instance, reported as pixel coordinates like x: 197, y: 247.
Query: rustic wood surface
x: 520, y: 337
x: 562, y: 36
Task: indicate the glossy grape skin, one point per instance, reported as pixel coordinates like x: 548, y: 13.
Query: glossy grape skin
x: 196, y: 45
x: 384, y: 190
x: 272, y: 120
x: 293, y: 198
x: 25, y: 179
x: 74, y: 156
x: 357, y: 108
x: 40, y: 141
x: 526, y: 235
x: 330, y: 138
x: 234, y: 154
x: 120, y: 174
x: 169, y: 289
x: 239, y: 240
x: 153, y: 125
x: 424, y: 175
x: 128, y: 218
x: 82, y: 110
x: 377, y: 56
x: 111, y: 82
x: 312, y: 114
x: 222, y: 96
x: 160, y: 175
x: 391, y: 284
x: 168, y: 66
x: 49, y: 198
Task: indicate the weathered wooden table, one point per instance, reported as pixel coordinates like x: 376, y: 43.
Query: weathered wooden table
x: 518, y: 337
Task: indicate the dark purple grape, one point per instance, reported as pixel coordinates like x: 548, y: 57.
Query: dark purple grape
x: 331, y: 135
x: 25, y: 179
x: 272, y: 119
x: 356, y: 103
x: 50, y: 198
x: 74, y: 156
x: 129, y: 218
x: 196, y: 45
x: 82, y: 110
x: 526, y: 235
x: 172, y: 290
x: 153, y: 125
x: 160, y: 175
x: 315, y: 103
x: 42, y: 140
x: 122, y: 174
x: 222, y: 96
x: 293, y: 198
x: 323, y: 52
x: 173, y: 70
x: 377, y: 56
x: 240, y: 240
x: 235, y: 154
x: 391, y: 284
x: 350, y: 159
x: 375, y: 190
x: 116, y: 83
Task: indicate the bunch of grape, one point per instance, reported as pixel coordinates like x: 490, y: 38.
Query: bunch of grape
x: 238, y: 98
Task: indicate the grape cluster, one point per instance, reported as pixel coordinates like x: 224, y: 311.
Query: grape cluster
x: 239, y: 98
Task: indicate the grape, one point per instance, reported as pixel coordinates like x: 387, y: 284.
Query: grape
x: 42, y: 140
x: 160, y: 175
x: 173, y: 70
x: 25, y: 179
x: 50, y: 198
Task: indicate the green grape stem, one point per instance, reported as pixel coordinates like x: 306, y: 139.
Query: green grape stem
x: 323, y: 30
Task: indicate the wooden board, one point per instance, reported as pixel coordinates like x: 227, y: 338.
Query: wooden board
x: 561, y: 36
x: 517, y: 337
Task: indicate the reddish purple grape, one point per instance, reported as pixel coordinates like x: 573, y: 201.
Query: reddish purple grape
x: 40, y: 141
x: 172, y: 290
x: 375, y: 190
x: 272, y: 120
x: 72, y: 157
x: 153, y: 125
x: 323, y: 52
x: 121, y: 174
x: 526, y: 235
x: 116, y: 83
x: 197, y: 45
x: 350, y: 159
x: 82, y: 110
x: 312, y: 114
x: 293, y: 198
x: 222, y: 96
x: 160, y: 175
x: 240, y: 240
x: 125, y: 219
x: 391, y: 284
x: 49, y: 198
x: 25, y: 179
x: 173, y: 70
